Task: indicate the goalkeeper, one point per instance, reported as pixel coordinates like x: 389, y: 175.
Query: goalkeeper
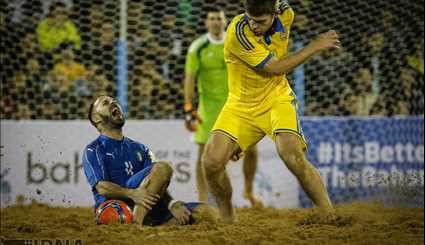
x: 205, y: 64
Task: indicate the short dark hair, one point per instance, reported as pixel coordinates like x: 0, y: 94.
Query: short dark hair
x: 57, y: 4
x: 260, y: 7
x: 213, y: 9
x: 90, y: 114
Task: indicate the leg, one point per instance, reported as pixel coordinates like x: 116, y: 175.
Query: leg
x: 201, y: 184
x: 218, y: 151
x: 249, y: 169
x: 290, y: 151
x: 156, y: 182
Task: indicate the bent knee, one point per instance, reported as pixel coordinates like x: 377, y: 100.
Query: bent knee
x: 164, y: 169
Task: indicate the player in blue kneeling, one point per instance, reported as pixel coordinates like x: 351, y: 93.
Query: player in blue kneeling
x: 117, y: 167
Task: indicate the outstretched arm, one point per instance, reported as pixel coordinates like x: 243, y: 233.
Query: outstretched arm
x: 286, y: 64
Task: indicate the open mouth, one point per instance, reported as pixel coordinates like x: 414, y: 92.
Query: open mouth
x: 115, y: 112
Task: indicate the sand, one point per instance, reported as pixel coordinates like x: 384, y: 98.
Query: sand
x: 359, y: 223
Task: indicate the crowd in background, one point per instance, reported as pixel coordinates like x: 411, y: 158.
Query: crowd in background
x: 59, y: 55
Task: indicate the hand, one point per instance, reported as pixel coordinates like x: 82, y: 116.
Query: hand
x: 141, y: 196
x: 180, y: 212
x: 191, y: 118
x: 236, y: 156
x: 326, y: 41
x: 281, y: 6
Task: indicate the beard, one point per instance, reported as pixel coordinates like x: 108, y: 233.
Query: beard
x: 117, y: 123
x: 113, y: 122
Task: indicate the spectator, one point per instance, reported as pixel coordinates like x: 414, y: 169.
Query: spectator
x: 376, y: 59
x: 102, y: 49
x: 67, y: 70
x: 169, y: 46
x: 365, y: 97
x: 410, y: 99
x: 416, y: 59
x: 152, y: 86
x: 326, y: 77
x: 57, y: 29
x: 98, y: 83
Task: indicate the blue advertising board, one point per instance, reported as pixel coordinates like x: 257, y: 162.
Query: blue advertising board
x: 368, y: 158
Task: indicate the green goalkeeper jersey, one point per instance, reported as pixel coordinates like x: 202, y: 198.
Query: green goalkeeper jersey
x: 205, y: 58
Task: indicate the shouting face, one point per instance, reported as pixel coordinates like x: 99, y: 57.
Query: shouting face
x: 107, y: 113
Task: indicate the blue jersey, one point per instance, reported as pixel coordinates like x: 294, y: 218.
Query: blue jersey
x: 116, y: 161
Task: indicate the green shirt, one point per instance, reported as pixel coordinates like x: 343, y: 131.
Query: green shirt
x: 205, y: 58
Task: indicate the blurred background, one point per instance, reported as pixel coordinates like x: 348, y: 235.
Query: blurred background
x: 54, y: 76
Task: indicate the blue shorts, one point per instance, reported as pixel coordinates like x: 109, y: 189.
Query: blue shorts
x: 159, y: 213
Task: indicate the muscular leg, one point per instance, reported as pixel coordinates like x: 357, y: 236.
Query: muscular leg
x: 290, y: 150
x: 249, y: 169
x: 156, y: 183
x: 217, y: 153
x: 201, y: 184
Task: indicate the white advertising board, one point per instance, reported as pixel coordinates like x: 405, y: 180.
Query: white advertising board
x: 41, y: 160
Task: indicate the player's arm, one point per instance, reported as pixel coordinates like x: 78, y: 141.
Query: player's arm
x: 177, y: 209
x: 286, y: 64
x: 141, y: 196
x: 189, y: 87
x: 99, y: 180
x: 191, y: 68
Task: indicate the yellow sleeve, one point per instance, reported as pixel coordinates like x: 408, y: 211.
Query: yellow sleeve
x: 44, y: 35
x: 73, y: 35
x: 244, y: 44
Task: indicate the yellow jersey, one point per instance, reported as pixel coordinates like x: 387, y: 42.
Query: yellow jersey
x: 245, y: 54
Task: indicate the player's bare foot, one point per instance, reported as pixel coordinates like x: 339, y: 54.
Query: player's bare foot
x: 227, y: 213
x: 228, y: 220
x: 255, y: 202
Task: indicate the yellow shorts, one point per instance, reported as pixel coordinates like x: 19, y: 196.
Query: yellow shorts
x: 246, y: 124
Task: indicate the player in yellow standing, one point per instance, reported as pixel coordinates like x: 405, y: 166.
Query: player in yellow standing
x: 261, y: 101
x: 205, y: 65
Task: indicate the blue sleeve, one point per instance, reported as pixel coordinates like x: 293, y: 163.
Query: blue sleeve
x: 149, y: 158
x: 93, y: 166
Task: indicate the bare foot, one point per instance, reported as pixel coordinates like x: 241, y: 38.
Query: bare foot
x: 227, y: 215
x: 255, y: 202
x: 228, y: 219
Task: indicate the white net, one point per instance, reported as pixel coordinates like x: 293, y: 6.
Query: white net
x: 53, y: 74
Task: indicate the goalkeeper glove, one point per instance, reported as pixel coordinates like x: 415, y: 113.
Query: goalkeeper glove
x: 191, y: 118
x: 281, y: 6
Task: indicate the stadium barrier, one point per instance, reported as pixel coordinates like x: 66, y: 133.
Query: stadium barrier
x: 358, y: 158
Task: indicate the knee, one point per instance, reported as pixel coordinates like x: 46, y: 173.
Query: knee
x: 212, y: 162
x: 163, y: 169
